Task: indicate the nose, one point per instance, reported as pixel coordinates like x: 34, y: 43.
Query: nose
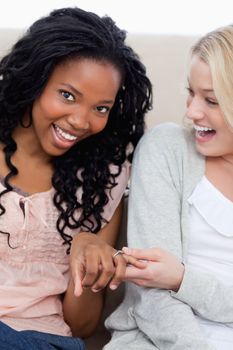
x: 79, y: 120
x: 195, y: 109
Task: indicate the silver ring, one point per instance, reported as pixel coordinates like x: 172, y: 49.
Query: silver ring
x: 119, y: 252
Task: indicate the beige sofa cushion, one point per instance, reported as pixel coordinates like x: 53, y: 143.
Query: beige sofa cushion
x: 166, y: 60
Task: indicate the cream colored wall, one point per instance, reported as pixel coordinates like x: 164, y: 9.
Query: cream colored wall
x: 7, y: 38
x: 166, y: 58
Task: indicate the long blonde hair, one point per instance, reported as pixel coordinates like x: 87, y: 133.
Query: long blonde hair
x: 216, y: 50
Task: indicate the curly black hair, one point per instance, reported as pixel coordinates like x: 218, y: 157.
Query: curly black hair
x: 66, y: 34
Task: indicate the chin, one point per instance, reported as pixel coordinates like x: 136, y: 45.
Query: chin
x: 209, y: 153
x: 55, y: 152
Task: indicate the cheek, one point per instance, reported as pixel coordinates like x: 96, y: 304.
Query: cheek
x: 188, y: 101
x: 46, y: 108
x: 229, y: 137
x: 99, y: 124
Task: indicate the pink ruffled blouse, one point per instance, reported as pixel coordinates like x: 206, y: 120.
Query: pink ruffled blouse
x: 35, y: 273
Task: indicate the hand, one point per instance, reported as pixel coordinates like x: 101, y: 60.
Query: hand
x: 92, y: 263
x: 163, y: 269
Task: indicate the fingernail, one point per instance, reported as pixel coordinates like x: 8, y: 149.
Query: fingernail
x: 126, y: 250
x: 95, y: 290
x: 113, y: 286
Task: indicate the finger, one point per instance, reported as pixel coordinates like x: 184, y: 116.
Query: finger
x: 92, y: 270
x: 139, y: 282
x: 77, y: 276
x: 134, y: 273
x: 120, y: 263
x: 78, y: 288
x: 105, y: 273
x: 130, y: 260
x: 144, y: 254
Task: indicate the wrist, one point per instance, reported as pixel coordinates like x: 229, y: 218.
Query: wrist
x: 179, y: 278
x: 81, y: 235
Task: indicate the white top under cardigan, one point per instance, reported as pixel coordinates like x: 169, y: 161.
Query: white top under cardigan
x: 211, y: 249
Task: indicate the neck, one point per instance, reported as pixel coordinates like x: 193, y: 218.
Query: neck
x: 228, y: 159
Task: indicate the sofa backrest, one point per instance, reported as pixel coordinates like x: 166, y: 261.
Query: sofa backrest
x: 166, y: 59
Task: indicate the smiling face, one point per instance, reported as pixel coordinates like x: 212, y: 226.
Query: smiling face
x: 213, y: 135
x: 74, y: 105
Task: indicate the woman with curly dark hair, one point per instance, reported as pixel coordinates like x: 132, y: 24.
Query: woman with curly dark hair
x: 73, y: 97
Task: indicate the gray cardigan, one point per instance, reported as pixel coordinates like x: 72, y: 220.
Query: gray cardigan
x: 166, y: 169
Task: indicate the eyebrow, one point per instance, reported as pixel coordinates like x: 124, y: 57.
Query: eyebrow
x: 205, y: 90
x: 69, y: 86
x: 208, y: 90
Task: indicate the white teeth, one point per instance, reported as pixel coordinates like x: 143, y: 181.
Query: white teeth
x: 202, y: 128
x: 64, y: 134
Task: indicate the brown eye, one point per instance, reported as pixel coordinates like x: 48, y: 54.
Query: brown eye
x: 103, y: 109
x: 67, y: 95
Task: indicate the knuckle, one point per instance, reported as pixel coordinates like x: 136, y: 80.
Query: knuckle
x: 91, y: 273
x: 119, y: 276
x: 151, y: 275
x: 109, y: 271
x: 122, y: 259
x: 143, y: 283
x: 90, y: 248
x: 120, y: 273
x: 159, y: 252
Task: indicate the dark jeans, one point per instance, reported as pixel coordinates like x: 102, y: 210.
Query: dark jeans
x: 11, y: 339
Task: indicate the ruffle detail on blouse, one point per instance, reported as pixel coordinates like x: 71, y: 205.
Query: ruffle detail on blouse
x: 213, y: 206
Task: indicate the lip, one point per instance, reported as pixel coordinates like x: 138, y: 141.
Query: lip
x: 203, y: 126
x: 205, y: 139
x: 61, y: 142
x: 204, y: 136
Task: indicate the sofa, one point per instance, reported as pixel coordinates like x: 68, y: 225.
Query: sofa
x: 166, y: 60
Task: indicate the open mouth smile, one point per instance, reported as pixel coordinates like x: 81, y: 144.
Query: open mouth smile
x: 204, y: 133
x: 64, y: 134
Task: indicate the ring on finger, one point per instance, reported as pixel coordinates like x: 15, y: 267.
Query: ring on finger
x: 118, y: 252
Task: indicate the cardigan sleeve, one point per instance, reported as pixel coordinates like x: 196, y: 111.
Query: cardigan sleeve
x: 155, y: 221
x: 209, y: 297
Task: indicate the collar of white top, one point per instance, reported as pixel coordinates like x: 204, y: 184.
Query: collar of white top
x: 213, y: 206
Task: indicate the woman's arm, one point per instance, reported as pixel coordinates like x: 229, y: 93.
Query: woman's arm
x: 215, y: 300
x: 208, y: 297
x: 83, y: 306
x: 162, y: 269
x: 93, y: 267
x: 82, y: 314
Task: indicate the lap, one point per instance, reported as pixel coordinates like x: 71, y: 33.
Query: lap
x: 32, y: 340
x: 130, y: 340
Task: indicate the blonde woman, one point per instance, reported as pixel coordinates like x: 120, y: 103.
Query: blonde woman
x: 181, y: 203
